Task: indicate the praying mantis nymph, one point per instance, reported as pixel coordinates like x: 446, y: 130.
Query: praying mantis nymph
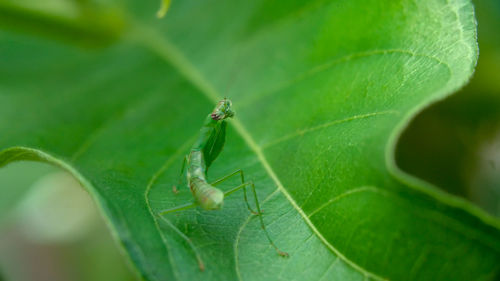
x: 204, y: 151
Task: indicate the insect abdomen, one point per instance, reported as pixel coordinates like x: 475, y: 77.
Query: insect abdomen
x: 207, y: 196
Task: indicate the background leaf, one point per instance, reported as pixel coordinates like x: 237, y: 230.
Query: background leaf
x: 321, y: 90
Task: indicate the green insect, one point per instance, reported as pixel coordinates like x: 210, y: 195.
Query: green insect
x: 204, y: 151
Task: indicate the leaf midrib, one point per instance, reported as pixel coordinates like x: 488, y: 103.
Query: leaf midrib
x: 167, y: 51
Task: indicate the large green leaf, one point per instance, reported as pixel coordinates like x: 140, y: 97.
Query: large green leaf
x: 322, y: 90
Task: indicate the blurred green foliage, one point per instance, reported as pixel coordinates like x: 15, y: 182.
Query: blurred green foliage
x: 50, y: 229
x: 15, y: 180
x: 89, y: 23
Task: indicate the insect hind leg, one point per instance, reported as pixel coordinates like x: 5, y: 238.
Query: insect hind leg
x: 242, y: 186
x: 259, y: 213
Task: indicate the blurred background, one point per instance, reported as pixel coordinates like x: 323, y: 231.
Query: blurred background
x: 51, y: 230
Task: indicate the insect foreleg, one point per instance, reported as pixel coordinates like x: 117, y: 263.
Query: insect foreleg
x: 179, y: 182
x: 243, y: 186
x: 190, y: 243
x: 259, y: 213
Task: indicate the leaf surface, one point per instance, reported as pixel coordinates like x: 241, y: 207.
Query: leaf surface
x: 321, y: 90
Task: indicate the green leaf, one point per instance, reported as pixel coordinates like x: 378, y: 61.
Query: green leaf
x: 321, y: 89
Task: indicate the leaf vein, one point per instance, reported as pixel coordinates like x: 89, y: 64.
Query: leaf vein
x: 342, y: 195
x: 326, y: 66
x: 302, y: 132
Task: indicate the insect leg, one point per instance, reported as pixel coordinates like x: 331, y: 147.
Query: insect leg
x: 179, y: 182
x: 228, y: 176
x: 227, y: 193
x: 281, y: 253
x: 243, y: 186
x: 178, y: 208
x: 190, y: 243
